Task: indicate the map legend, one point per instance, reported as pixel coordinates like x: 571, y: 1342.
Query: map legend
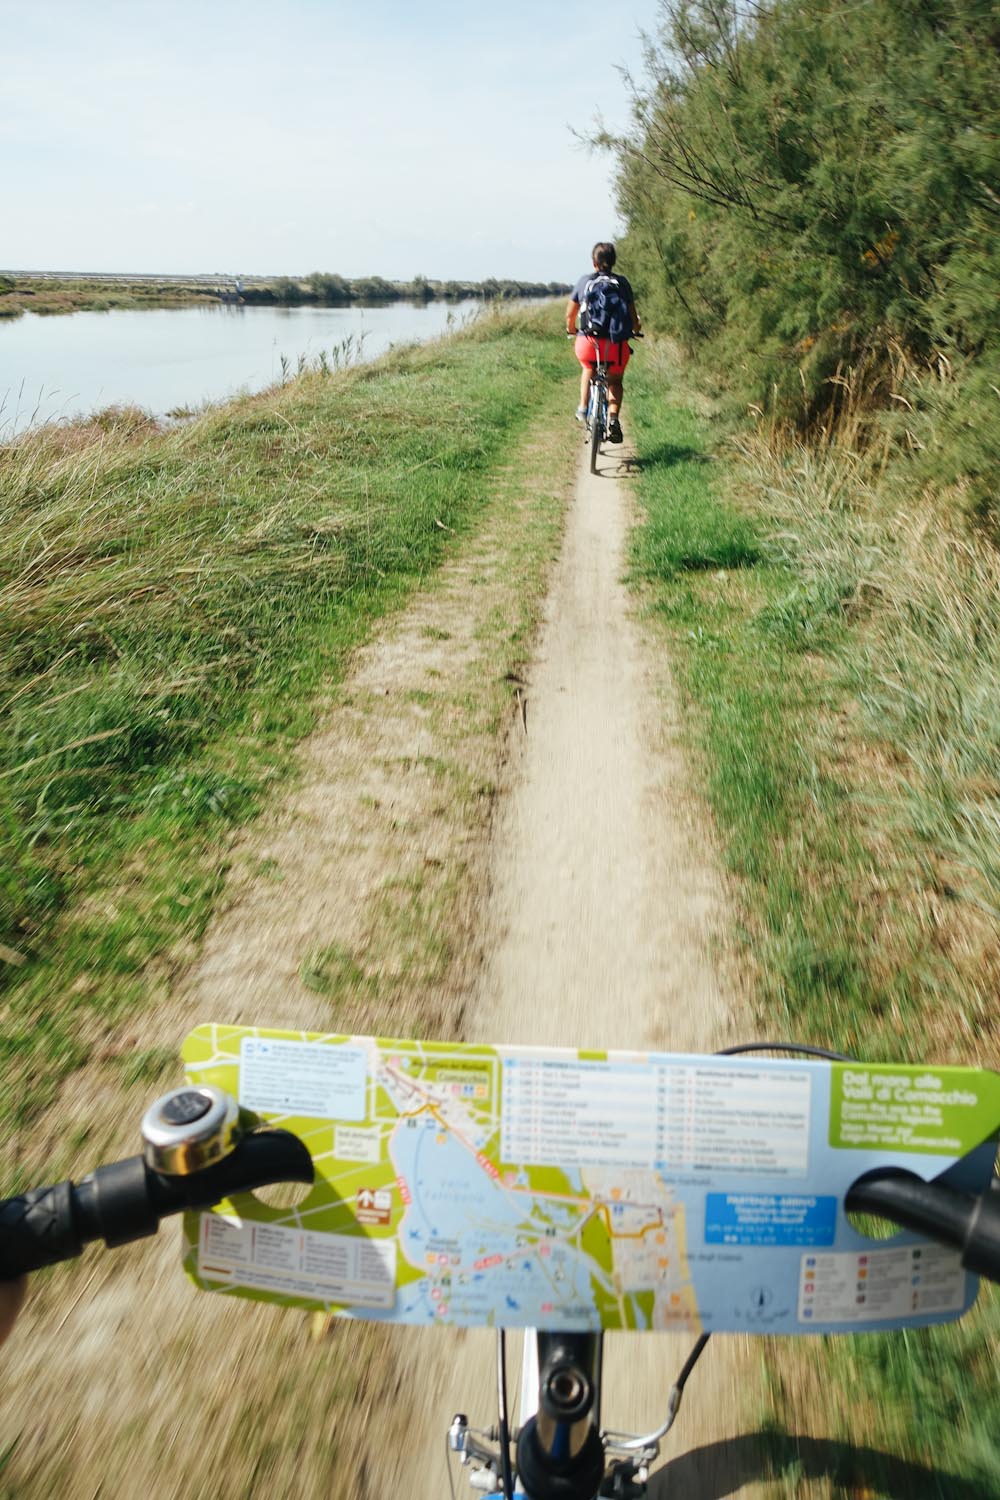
x: 652, y: 1116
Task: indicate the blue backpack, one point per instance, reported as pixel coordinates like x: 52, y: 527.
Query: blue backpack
x: 604, y: 311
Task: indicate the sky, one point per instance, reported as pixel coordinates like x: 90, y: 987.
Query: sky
x: 355, y: 136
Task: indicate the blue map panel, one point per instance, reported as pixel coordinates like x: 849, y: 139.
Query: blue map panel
x: 769, y: 1219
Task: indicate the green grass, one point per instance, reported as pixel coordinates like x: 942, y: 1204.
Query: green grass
x: 740, y: 624
x: 791, y: 641
x: 177, y: 607
x: 334, y: 972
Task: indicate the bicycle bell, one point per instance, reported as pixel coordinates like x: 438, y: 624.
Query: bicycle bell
x: 190, y: 1128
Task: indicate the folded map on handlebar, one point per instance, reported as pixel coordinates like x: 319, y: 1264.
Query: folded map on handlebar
x: 514, y: 1186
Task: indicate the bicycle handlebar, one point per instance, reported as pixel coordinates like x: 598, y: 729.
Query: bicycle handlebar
x: 560, y: 1451
x: 126, y: 1200
x: 967, y: 1222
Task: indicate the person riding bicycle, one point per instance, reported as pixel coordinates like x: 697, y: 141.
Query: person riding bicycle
x: 606, y: 308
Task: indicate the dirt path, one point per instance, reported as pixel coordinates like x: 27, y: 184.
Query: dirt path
x: 604, y: 908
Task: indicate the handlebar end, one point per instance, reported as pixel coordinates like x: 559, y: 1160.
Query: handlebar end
x: 981, y: 1251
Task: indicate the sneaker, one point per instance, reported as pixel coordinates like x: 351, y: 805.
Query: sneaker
x: 615, y: 434
x: 581, y: 414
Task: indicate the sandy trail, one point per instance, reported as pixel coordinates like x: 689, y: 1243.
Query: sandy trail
x: 604, y: 909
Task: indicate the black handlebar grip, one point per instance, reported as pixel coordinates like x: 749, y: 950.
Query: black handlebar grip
x: 970, y: 1224
x: 114, y: 1204
x: 38, y: 1229
x: 928, y: 1208
x: 981, y: 1251
x: 126, y: 1200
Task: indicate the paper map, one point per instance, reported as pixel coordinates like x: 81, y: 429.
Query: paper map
x: 510, y: 1186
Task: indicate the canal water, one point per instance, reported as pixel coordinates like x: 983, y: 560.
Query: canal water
x: 177, y: 359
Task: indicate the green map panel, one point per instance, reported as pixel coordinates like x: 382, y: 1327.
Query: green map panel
x: 519, y: 1186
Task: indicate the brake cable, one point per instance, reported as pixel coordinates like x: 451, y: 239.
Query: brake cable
x: 503, y: 1422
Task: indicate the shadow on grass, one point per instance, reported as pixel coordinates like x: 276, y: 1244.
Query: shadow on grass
x: 721, y: 1469
x: 734, y: 556
x: 667, y: 454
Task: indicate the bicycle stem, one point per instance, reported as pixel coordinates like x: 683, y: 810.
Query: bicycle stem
x: 560, y: 1455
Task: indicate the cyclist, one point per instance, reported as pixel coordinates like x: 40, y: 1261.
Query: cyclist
x: 614, y: 295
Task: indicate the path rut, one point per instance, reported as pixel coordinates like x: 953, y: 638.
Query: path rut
x: 604, y: 913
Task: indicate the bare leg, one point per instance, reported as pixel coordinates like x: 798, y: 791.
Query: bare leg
x: 615, y: 397
x: 584, y: 386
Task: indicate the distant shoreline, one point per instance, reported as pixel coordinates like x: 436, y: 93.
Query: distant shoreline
x: 50, y: 293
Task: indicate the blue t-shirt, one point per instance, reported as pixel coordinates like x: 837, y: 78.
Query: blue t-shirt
x: 624, y: 286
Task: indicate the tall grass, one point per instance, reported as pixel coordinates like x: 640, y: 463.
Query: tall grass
x: 839, y: 668
x: 173, y: 606
x: 914, y: 596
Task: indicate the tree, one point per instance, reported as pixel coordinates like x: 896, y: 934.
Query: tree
x: 329, y: 288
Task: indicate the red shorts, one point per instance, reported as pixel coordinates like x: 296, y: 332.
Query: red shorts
x: 617, y: 355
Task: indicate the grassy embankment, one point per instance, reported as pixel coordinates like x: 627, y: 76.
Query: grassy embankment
x: 176, y: 607
x: 51, y: 296
x: 837, y: 647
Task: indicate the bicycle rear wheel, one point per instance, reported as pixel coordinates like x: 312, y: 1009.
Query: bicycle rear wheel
x: 598, y: 415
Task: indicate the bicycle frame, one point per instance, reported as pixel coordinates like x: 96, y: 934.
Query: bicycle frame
x: 597, y: 407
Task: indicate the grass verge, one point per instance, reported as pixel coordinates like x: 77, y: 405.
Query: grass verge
x: 177, y: 607
x: 833, y: 646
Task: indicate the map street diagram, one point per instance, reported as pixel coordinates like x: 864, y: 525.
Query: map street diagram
x: 545, y: 1187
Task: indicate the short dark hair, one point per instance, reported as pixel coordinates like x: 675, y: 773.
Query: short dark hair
x: 603, y: 255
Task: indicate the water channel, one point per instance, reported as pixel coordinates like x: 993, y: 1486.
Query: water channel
x: 176, y: 359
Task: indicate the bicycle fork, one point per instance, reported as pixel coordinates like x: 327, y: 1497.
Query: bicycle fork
x: 561, y: 1453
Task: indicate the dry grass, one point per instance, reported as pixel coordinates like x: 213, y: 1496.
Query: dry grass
x: 920, y: 594
x: 843, y: 690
